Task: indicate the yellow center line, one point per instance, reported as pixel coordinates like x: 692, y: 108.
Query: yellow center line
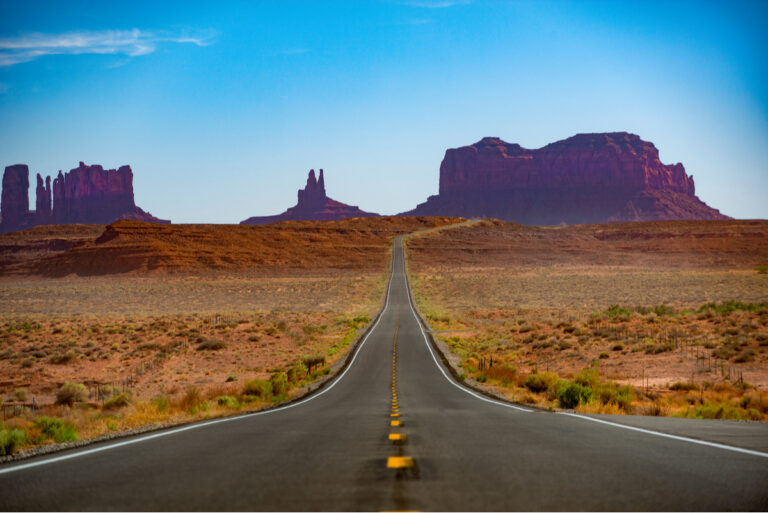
x: 399, y: 462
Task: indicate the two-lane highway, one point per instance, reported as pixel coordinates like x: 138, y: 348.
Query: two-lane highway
x: 332, y: 451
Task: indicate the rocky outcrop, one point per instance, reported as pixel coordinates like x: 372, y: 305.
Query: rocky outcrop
x: 313, y: 205
x: 587, y: 178
x: 43, y: 203
x: 86, y: 194
x: 14, y: 202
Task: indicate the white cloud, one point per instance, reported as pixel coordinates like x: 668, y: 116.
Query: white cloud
x: 25, y: 48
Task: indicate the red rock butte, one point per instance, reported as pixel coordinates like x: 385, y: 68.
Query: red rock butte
x: 587, y: 178
x: 86, y: 194
x: 313, y: 205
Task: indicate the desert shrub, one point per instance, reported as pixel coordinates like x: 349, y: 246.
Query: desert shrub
x: 656, y: 348
x: 279, y: 381
x: 211, y: 345
x: 725, y: 411
x: 617, y: 311
x: 117, y: 402
x: 297, y: 372
x: 544, y: 344
x: 603, y: 355
x: 503, y: 373
x: 56, y: 429
x: 571, y: 394
x: 617, y: 347
x: 191, y: 400
x: 10, y: 439
x: 258, y: 388
x: 71, y: 393
x: 746, y: 356
x: 62, y: 358
x: 162, y: 403
x: 663, y: 310
x: 611, y: 393
x: 727, y: 307
x: 21, y: 394
x: 682, y: 386
x: 725, y: 352
x: 540, y: 382
x: 588, y: 377
x: 254, y: 338
x: 228, y: 401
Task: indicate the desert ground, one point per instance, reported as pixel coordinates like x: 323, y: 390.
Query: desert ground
x: 110, y: 328
x: 662, y: 318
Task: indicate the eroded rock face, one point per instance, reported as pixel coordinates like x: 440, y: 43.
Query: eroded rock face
x: 86, y: 194
x: 588, y: 178
x: 14, y: 202
x: 313, y: 205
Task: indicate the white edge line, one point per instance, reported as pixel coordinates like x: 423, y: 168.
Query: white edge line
x: 667, y: 435
x: 614, y: 424
x: 439, y: 366
x: 197, y: 425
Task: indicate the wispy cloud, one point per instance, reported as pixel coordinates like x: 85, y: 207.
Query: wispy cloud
x: 25, y: 48
x: 436, y: 4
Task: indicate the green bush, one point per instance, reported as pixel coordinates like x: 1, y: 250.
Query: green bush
x: 540, y: 382
x: 622, y: 396
x: 117, y: 402
x: 228, y: 401
x: 71, y: 393
x: 10, y: 440
x: 617, y: 311
x: 56, y: 429
x: 297, y: 373
x: 258, y: 388
x: 279, y: 381
x: 570, y: 394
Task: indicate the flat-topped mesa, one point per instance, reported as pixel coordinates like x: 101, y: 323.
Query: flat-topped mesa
x: 313, y: 205
x: 86, y: 194
x: 91, y: 194
x: 587, y: 178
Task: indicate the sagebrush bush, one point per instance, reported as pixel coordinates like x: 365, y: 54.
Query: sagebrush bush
x: 10, y: 439
x: 540, y: 382
x: 56, y: 429
x: 211, y: 345
x: 571, y: 394
x: 71, y: 393
x: 258, y: 388
x: 279, y: 381
x: 117, y: 402
x: 228, y: 401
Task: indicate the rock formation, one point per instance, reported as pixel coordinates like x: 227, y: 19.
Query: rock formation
x: 86, y: 194
x: 587, y: 178
x: 14, y: 202
x: 313, y: 205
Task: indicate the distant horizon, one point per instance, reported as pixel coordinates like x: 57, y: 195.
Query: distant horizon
x: 221, y: 111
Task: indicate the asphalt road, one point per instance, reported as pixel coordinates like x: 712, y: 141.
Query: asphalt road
x: 331, y: 452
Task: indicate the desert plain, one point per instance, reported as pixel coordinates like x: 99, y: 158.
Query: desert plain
x: 106, y: 329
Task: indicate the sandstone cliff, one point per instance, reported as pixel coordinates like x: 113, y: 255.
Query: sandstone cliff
x: 313, y: 205
x: 587, y: 178
x: 86, y: 194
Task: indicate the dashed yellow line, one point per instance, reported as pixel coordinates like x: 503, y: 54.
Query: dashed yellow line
x: 399, y: 462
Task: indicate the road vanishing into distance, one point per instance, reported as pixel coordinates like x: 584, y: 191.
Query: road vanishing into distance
x: 394, y: 432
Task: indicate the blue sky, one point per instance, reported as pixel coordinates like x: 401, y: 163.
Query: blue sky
x: 221, y: 108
